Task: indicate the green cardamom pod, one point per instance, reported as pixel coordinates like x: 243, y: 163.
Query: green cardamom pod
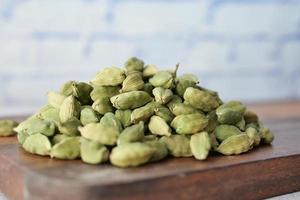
x: 223, y: 132
x: 149, y: 71
x: 134, y: 64
x: 185, y: 81
x: 143, y: 113
x: 250, y: 117
x: 70, y: 127
x: 130, y: 100
x: 37, y: 144
x: 266, y: 135
x: 7, y: 127
x: 124, y: 116
x: 89, y: 115
x: 103, y: 105
x: 235, y: 144
x: 231, y: 112
x: 131, y: 154
x: 254, y: 135
x: 183, y: 109
x: 212, y: 121
x: 68, y: 148
x: 200, y: 145
x: 160, y: 150
x: 162, y: 79
x: 132, y: 82
x: 178, y: 145
x: 200, y: 99
x: 134, y: 133
x: 55, y: 99
x: 69, y: 108
x: 111, y: 76
x: 164, y: 113
x: 189, y: 124
x: 93, y: 152
x: 104, y: 91
x: 44, y: 127
x: 159, y: 126
x: 161, y: 95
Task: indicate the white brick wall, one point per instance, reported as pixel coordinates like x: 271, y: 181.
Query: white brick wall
x: 247, y: 50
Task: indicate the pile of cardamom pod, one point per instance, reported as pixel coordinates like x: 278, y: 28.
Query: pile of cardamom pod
x: 138, y: 115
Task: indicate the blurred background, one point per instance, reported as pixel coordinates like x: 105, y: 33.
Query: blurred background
x: 245, y: 49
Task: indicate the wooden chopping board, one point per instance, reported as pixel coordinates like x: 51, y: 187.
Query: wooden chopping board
x: 264, y: 172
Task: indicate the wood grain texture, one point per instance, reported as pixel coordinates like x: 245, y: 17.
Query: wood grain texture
x: 264, y: 172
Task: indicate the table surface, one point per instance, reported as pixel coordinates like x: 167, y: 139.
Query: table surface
x: 267, y: 171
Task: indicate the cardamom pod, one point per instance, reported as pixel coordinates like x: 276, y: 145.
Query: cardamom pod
x: 189, y: 124
x: 159, y: 126
x: 200, y: 145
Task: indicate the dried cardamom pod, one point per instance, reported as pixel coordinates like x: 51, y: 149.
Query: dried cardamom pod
x: 23, y: 126
x: 178, y: 145
x: 235, y: 144
x: 106, y: 132
x: 58, y: 138
x: 124, y: 116
x: 49, y: 114
x: 103, y: 105
x: 189, y: 124
x: 241, y: 124
x: 183, y: 109
x: 161, y: 95
x: 175, y: 99
x: 266, y: 135
x: 254, y: 135
x: 149, y: 71
x: 44, y: 127
x: 212, y: 121
x: 69, y: 108
x: 70, y: 127
x: 162, y: 79
x: 160, y: 150
x: 250, y: 117
x: 134, y: 64
x: 67, y: 88
x: 104, y: 91
x: 93, y: 152
x: 37, y: 144
x: 185, y: 81
x: 21, y: 136
x: 130, y: 100
x: 143, y: 113
x: 159, y: 126
x: 80, y: 90
x: 68, y: 148
x: 7, y: 127
x: 55, y: 99
x: 213, y: 141
x: 200, y: 99
x: 231, y: 112
x: 110, y: 120
x: 164, y: 113
x: 134, y: 133
x: 132, y: 82
x: 148, y: 88
x: 111, y: 76
x: 89, y: 115
x: 200, y: 145
x: 222, y: 132
x: 131, y: 154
